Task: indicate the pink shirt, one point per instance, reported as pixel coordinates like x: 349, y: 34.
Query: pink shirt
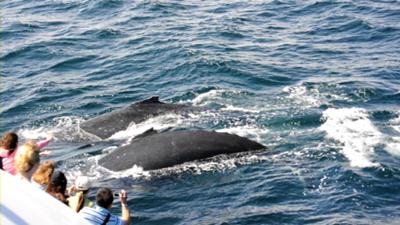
x: 8, y: 159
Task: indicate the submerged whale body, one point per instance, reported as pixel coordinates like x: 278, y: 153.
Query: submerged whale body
x: 175, y: 147
x: 106, y: 125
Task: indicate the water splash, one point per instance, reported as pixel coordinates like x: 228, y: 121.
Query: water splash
x: 353, y: 129
x: 220, y: 96
x: 240, y: 109
x: 218, y: 163
x: 204, y: 98
x: 395, y: 123
x: 314, y: 94
x: 33, y: 133
x: 157, y: 123
x: 301, y: 95
x: 393, y: 142
x: 64, y: 128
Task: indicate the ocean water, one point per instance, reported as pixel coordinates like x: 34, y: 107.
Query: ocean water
x: 317, y: 82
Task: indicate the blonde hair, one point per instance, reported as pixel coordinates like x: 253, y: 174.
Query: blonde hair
x: 43, y: 173
x: 27, y: 157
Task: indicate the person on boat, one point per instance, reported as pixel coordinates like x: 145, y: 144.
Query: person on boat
x: 9, y: 148
x: 27, y: 160
x: 42, y: 175
x: 57, y: 186
x: 80, y: 188
x: 100, y: 213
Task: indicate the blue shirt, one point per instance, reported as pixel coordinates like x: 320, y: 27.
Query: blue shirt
x: 97, y: 215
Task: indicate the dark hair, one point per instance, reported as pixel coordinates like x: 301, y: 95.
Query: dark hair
x: 104, y: 197
x: 57, y: 186
x: 10, y: 141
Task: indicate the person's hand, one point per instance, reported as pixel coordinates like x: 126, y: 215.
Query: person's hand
x: 71, y: 189
x: 50, y: 136
x: 123, y: 196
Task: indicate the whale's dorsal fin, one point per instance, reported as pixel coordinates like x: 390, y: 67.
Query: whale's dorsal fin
x: 153, y: 99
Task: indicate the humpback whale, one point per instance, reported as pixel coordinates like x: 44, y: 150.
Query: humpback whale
x: 104, y: 126
x: 152, y: 150
x: 161, y: 150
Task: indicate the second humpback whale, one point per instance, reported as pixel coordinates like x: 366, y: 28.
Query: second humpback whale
x: 106, y: 125
x: 167, y: 149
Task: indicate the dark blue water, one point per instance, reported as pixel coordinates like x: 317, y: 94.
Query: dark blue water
x: 318, y: 82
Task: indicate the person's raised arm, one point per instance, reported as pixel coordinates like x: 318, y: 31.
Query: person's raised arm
x: 126, y: 217
x: 43, y: 143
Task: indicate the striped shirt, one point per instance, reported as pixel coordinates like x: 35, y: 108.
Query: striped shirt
x: 97, y: 215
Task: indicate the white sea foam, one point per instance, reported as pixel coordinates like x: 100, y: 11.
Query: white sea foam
x: 202, y: 99
x: 90, y: 167
x: 135, y: 172
x: 250, y: 131
x: 352, y: 128
x: 33, y: 133
x: 393, y: 147
x: 64, y: 128
x: 214, y: 96
x: 301, y: 95
x: 227, y: 101
x: 240, y: 109
x: 311, y: 97
x: 216, y: 163
x: 58, y: 125
x: 157, y: 123
x: 395, y: 123
x: 393, y: 142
